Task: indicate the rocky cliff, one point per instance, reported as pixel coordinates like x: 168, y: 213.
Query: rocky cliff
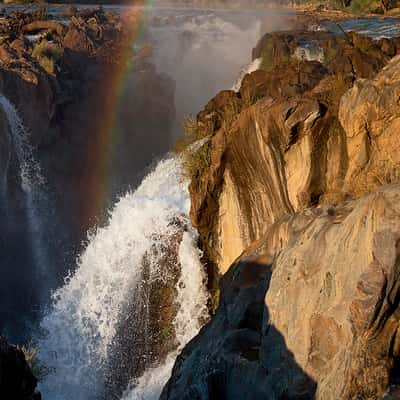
x: 296, y: 201
x: 71, y: 82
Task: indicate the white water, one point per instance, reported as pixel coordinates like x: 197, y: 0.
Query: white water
x: 192, y: 300
x: 83, y: 321
x: 32, y: 181
x: 248, y: 69
x: 309, y: 51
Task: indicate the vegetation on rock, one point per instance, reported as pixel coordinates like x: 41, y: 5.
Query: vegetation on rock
x: 31, y: 355
x: 47, y: 54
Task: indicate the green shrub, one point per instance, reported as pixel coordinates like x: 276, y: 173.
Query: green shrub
x: 47, y: 54
x: 194, y: 160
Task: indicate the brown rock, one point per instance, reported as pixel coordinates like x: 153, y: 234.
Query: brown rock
x: 329, y: 325
x: 37, y: 26
x: 370, y: 115
x: 6, y: 54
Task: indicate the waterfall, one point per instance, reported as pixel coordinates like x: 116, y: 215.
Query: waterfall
x: 32, y: 182
x: 309, y: 51
x: 102, y: 314
x: 247, y: 69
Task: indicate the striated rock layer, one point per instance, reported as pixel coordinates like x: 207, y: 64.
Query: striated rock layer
x: 291, y: 147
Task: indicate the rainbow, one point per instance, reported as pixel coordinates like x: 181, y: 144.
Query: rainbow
x: 96, y: 175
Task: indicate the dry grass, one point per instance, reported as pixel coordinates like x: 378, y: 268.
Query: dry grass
x: 195, y: 161
x: 189, y: 136
x: 47, y: 54
x: 31, y: 355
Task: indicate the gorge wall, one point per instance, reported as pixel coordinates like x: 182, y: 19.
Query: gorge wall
x: 62, y: 80
x: 295, y: 197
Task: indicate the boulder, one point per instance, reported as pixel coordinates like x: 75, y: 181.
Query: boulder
x: 37, y: 26
x: 303, y: 184
x: 281, y: 152
x: 309, y: 311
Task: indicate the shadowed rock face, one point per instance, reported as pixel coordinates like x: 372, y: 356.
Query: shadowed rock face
x: 16, y: 379
x: 226, y: 360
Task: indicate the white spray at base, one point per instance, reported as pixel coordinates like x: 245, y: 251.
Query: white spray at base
x: 32, y: 181
x: 192, y: 299
x: 83, y: 321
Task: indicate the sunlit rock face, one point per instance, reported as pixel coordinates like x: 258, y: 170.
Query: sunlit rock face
x: 341, y: 265
x: 328, y: 326
x: 370, y: 114
x: 294, y: 183
x: 288, y: 142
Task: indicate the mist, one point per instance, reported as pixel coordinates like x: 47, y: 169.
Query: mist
x: 204, y: 50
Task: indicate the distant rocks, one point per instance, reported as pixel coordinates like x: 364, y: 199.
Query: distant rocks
x: 16, y: 379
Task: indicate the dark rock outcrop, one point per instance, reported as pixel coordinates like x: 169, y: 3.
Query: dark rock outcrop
x: 16, y: 379
x: 227, y: 359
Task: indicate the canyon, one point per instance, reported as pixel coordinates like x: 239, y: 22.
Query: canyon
x: 282, y: 198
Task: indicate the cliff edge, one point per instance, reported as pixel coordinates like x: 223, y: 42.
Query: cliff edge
x: 296, y: 202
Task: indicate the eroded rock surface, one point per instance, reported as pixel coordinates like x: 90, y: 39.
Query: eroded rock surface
x: 277, y: 148
x: 328, y: 326
x: 297, y: 204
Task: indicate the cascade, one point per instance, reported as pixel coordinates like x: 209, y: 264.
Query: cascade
x: 148, y: 244
x: 32, y: 184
